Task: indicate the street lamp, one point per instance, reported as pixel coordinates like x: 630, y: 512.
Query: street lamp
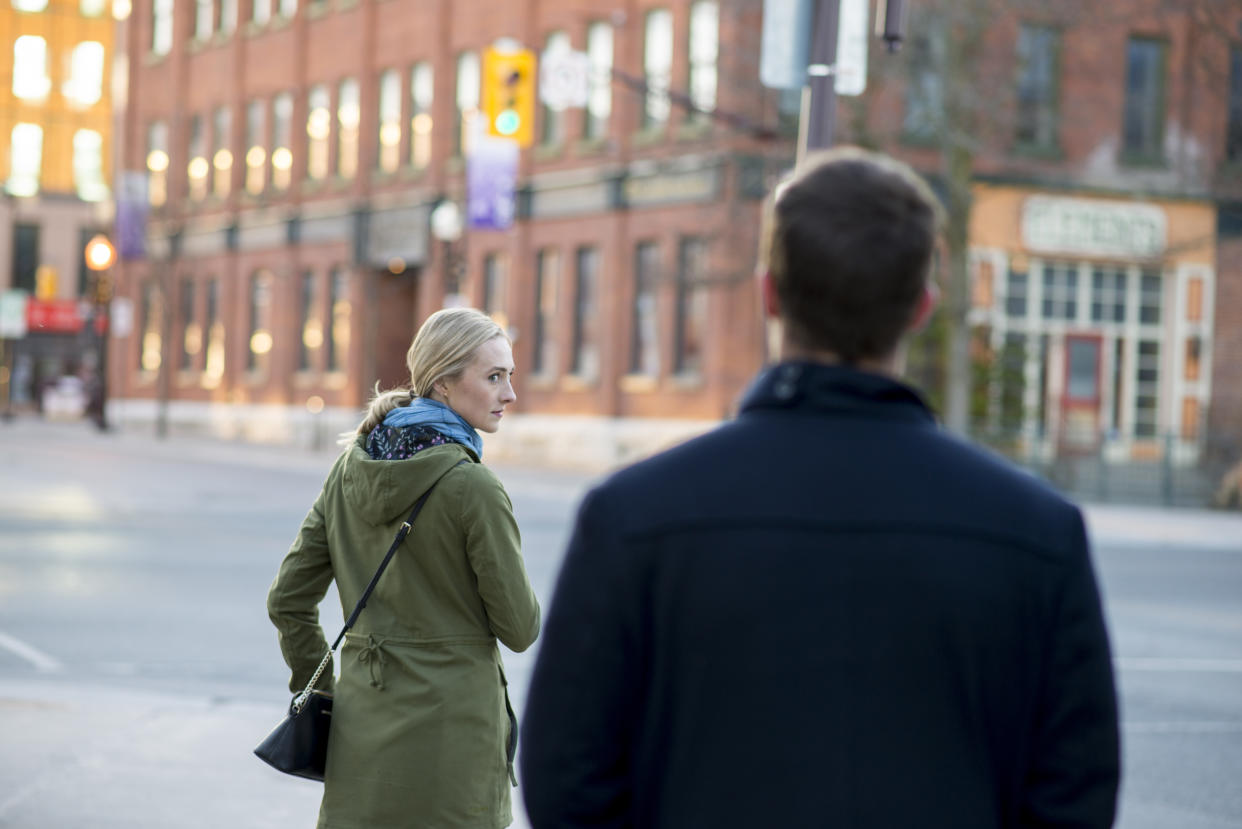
x: 100, y: 257
x: 446, y: 227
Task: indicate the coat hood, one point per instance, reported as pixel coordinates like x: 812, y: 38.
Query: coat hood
x: 381, y: 491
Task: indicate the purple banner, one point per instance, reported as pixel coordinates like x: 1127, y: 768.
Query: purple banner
x: 491, y: 176
x: 131, y: 216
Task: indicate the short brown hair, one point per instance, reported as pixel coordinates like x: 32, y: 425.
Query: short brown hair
x: 849, y: 243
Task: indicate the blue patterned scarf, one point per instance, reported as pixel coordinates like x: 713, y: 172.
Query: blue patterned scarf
x: 423, y: 411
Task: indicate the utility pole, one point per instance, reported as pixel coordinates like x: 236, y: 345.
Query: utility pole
x: 819, y: 96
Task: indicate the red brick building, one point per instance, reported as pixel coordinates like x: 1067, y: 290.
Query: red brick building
x: 295, y: 151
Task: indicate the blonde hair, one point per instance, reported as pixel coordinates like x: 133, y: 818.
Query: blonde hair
x: 444, y: 345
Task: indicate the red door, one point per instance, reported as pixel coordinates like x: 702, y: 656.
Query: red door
x: 1080, y: 400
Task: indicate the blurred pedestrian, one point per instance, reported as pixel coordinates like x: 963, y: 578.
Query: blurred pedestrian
x: 422, y: 729
x: 827, y: 612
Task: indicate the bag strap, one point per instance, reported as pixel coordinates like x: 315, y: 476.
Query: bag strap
x: 406, y: 525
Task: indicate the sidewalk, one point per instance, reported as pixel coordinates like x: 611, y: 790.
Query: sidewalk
x: 108, y: 758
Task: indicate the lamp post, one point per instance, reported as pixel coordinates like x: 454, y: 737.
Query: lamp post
x: 446, y: 227
x: 100, y: 257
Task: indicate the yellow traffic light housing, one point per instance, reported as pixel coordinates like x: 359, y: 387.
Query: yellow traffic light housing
x: 509, y: 84
x: 46, y: 279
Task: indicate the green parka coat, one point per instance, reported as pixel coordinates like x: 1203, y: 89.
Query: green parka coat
x: 419, y: 721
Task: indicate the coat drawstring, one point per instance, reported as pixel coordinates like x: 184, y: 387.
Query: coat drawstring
x: 372, y: 654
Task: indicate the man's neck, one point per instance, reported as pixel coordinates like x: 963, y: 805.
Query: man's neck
x: 893, y: 365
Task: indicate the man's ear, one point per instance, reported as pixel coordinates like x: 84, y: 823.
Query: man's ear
x: 767, y: 291
x: 926, y: 305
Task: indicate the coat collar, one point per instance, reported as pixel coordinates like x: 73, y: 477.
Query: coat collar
x: 819, y: 387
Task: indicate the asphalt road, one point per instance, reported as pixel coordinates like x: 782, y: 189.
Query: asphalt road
x: 138, y: 668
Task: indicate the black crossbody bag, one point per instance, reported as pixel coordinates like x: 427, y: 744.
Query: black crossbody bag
x: 299, y: 744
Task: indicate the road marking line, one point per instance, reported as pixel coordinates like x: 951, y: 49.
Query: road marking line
x: 34, y: 656
x: 1175, y: 665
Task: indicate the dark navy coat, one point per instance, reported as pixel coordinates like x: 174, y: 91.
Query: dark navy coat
x: 828, y: 612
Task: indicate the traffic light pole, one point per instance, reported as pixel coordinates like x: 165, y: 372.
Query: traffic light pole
x: 820, y: 113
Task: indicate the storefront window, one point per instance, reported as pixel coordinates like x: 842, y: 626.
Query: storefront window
x: 1108, y: 294
x: 690, y: 322
x: 547, y: 273
x: 644, y: 347
x: 1150, y: 289
x: 585, y: 353
x: 1016, y: 294
x: 1060, y: 291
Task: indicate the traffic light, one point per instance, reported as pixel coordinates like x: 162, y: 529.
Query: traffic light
x: 509, y: 80
x: 46, y: 278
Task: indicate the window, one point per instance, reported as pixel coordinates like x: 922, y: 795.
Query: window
x: 1151, y: 286
x: 657, y: 67
x: 690, y: 323
x: 91, y: 8
x: 157, y: 163
x: 228, y: 16
x: 553, y: 121
x: 547, y: 275
x: 1016, y: 294
x: 30, y: 78
x: 318, y: 128
x: 1142, y: 131
x: 282, y: 137
x: 260, y: 341
x: 1194, y: 300
x: 1147, y: 389
x: 191, y: 334
x: 29, y: 5
x: 204, y: 18
x: 1194, y: 358
x: 495, y: 276
x: 25, y: 256
x: 704, y: 50
x: 644, y: 340
x: 88, y: 166
x: 288, y: 8
x: 213, y: 370
x: 1108, y: 294
x: 1011, y: 368
x: 1060, y: 292
x: 152, y: 323
x: 389, y: 133
x: 161, y: 26
x: 261, y: 11
x: 348, y: 117
x: 599, y: 96
x: 338, y: 342
x: 925, y: 88
x: 198, y: 167
x: 585, y: 354
x: 422, y: 90
x: 256, y: 155
x: 310, y: 327
x: 84, y: 86
x: 1038, y: 48
x: 468, y: 80
x: 1233, y: 135
x: 25, y: 159
x: 221, y: 156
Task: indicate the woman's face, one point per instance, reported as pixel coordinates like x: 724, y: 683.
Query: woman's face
x: 481, y: 392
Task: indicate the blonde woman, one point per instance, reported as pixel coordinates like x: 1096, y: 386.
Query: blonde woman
x: 422, y: 729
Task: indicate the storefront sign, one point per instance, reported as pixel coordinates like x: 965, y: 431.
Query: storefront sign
x: 1093, y: 228
x: 13, y: 314
x: 60, y: 316
x: 673, y: 187
x: 397, y: 233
